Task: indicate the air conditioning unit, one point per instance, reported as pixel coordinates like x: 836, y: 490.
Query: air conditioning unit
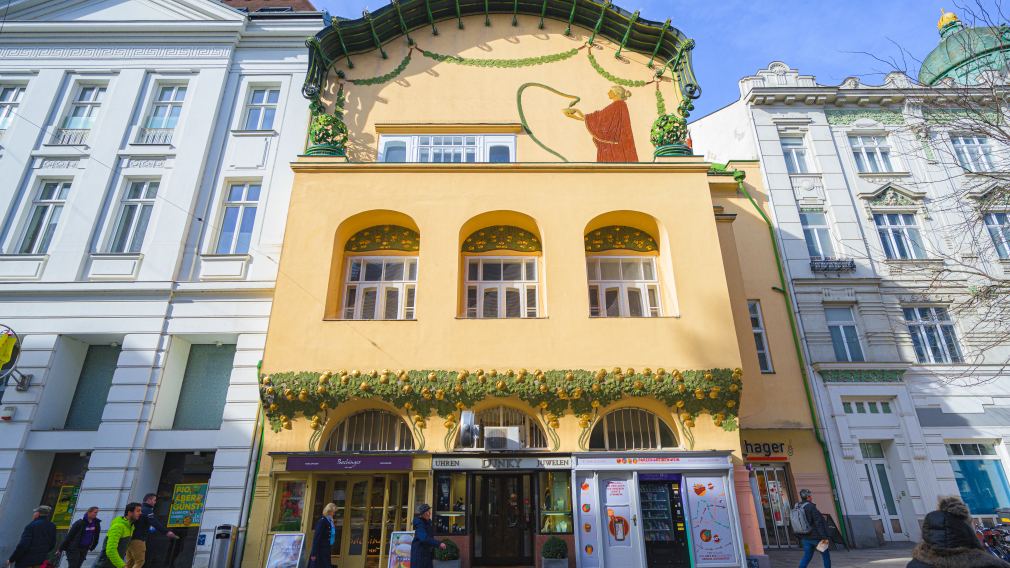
x: 502, y: 438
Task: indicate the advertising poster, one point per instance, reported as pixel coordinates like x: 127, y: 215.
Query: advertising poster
x: 589, y: 532
x: 399, y: 549
x: 63, y: 512
x: 618, y: 513
x: 711, y: 521
x: 187, y: 505
x: 286, y: 550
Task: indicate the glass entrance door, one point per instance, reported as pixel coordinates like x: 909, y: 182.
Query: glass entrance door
x: 369, y: 508
x: 774, y: 487
x: 878, y: 474
x: 503, y: 521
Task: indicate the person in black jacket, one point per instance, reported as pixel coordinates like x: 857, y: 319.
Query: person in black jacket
x: 145, y: 525
x: 949, y: 541
x: 818, y: 531
x: 422, y: 548
x: 37, y: 540
x: 82, y: 538
x: 323, y: 538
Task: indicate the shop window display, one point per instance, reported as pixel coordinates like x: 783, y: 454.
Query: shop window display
x: 292, y: 503
x: 556, y: 507
x: 450, y: 503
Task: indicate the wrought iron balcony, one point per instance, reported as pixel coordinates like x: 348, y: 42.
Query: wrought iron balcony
x: 70, y: 136
x: 827, y: 264
x: 155, y: 136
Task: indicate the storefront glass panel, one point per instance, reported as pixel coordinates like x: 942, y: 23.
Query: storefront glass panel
x: 181, y: 472
x: 556, y: 507
x: 982, y: 484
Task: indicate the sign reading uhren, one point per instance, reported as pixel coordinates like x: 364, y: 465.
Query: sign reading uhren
x: 501, y: 463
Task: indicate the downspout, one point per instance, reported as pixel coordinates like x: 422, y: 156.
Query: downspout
x: 738, y: 177
x: 250, y: 494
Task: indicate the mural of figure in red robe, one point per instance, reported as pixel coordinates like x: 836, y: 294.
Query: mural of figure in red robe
x: 610, y: 128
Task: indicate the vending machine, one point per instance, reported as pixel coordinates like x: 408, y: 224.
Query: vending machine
x: 663, y: 523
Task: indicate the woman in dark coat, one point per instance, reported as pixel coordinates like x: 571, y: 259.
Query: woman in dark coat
x: 323, y: 539
x: 949, y: 541
x: 422, y: 548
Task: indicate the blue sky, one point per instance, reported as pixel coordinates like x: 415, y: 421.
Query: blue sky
x: 828, y: 39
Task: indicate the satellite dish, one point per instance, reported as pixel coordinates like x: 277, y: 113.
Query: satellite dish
x: 469, y: 432
x: 10, y: 350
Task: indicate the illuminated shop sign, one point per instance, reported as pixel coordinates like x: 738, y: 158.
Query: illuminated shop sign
x: 501, y: 463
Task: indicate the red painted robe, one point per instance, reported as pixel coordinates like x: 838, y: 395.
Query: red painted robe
x: 611, y: 130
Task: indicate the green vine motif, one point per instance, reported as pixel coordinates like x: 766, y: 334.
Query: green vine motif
x: 688, y: 434
x: 450, y: 437
x: 327, y: 131
x: 670, y: 129
x: 502, y: 63
x: 387, y: 77
x: 614, y: 78
x: 422, y: 393
x: 660, y: 102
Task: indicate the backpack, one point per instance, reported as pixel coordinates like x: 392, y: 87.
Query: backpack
x: 798, y: 519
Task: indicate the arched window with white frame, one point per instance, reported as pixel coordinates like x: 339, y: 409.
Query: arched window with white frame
x: 622, y: 273
x: 501, y: 273
x: 632, y: 429
x: 530, y: 434
x: 380, y: 274
x: 371, y: 431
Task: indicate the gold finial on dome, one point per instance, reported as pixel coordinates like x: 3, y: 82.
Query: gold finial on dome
x: 946, y: 19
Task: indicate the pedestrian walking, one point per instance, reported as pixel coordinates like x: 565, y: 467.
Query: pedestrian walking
x: 82, y: 538
x: 949, y: 541
x: 147, y: 523
x: 422, y: 548
x: 323, y: 538
x: 37, y: 540
x: 812, y: 529
x: 117, y: 540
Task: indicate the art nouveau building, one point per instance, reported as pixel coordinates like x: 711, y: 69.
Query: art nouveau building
x: 143, y: 152
x: 868, y: 191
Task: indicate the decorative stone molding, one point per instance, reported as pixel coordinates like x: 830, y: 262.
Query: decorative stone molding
x: 384, y: 237
x: 57, y: 163
x: 834, y: 295
x: 182, y: 53
x: 146, y: 162
x: 848, y: 451
x: 849, y: 117
x: 919, y: 452
x: 808, y: 190
x: 893, y: 198
x: 862, y: 375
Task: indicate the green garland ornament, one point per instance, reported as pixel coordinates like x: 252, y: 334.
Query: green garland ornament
x: 613, y: 78
x: 502, y: 63
x: 388, y: 76
x: 669, y: 131
x: 327, y: 132
x: 553, y: 393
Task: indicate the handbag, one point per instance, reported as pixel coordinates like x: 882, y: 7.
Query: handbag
x: 55, y: 563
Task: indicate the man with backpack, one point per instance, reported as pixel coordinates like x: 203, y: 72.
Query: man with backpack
x: 809, y: 525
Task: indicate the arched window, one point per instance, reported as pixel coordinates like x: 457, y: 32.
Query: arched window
x: 371, y: 431
x: 381, y: 273
x: 621, y: 270
x: 631, y: 429
x: 500, y: 276
x: 530, y: 434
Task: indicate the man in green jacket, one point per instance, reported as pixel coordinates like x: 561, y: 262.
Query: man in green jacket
x: 117, y: 540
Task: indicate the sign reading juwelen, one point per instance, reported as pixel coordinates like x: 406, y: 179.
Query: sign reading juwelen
x: 399, y: 549
x: 187, y: 505
x: 711, y: 521
x: 63, y: 513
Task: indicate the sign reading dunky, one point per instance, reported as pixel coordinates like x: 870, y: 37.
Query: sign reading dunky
x: 187, y: 505
x: 501, y: 463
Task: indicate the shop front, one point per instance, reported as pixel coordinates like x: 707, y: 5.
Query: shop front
x: 657, y: 510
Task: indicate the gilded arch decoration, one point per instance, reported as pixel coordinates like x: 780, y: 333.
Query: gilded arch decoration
x: 384, y: 237
x: 620, y: 237
x: 502, y: 237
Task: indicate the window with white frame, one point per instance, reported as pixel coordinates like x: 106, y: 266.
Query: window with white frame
x: 979, y: 475
x: 933, y: 335
x: 998, y: 225
x: 380, y: 287
x: 899, y: 235
x: 501, y: 287
x: 238, y: 218
x: 43, y: 217
x: 622, y: 286
x: 872, y: 153
x: 844, y: 337
x: 134, y: 216
x: 10, y: 99
x: 371, y: 431
x: 631, y: 429
x: 261, y: 108
x: 867, y: 406
x: 817, y: 234
x: 795, y: 153
x: 974, y: 153
x: 85, y: 107
x: 167, y: 106
x: 757, y: 323
x: 448, y: 148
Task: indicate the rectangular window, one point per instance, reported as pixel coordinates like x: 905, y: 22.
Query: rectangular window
x: 933, y: 335
x: 795, y: 154
x: 204, y: 387
x: 979, y: 475
x: 867, y: 406
x: 501, y: 287
x: 261, y: 109
x: 817, y: 234
x: 43, y: 217
x: 448, y: 149
x: 167, y: 107
x: 134, y: 215
x: 844, y: 338
x: 974, y: 153
x: 872, y: 154
x: 93, y: 386
x: 10, y: 99
x: 623, y: 287
x: 238, y: 218
x: 998, y: 225
x: 899, y: 235
x: 380, y: 288
x: 760, y: 339
x: 84, y: 110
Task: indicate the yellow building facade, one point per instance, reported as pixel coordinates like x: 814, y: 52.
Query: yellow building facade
x: 502, y: 303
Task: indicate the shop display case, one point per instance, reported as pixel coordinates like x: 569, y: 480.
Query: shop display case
x: 450, y: 504
x: 555, y: 502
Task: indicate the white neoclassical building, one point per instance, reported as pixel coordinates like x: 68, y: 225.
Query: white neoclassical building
x: 144, y: 182
x: 861, y: 181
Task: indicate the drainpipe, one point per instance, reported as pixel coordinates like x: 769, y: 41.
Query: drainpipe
x: 252, y: 473
x: 738, y: 177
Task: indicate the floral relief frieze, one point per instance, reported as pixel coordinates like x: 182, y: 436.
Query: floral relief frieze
x: 849, y: 117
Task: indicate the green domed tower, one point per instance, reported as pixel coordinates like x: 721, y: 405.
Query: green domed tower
x: 964, y: 53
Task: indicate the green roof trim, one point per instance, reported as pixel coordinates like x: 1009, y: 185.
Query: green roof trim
x: 401, y: 17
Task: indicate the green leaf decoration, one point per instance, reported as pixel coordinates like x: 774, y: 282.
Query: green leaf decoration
x: 387, y: 77
x: 614, y: 78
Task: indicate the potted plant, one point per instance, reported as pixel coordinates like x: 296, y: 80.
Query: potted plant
x: 327, y: 132
x: 447, y: 557
x: 554, y: 553
x: 669, y: 132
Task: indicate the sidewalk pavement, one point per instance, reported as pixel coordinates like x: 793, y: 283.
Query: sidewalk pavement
x: 892, y: 555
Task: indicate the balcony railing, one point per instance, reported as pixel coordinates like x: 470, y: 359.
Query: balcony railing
x: 70, y: 136
x: 832, y: 264
x: 155, y: 136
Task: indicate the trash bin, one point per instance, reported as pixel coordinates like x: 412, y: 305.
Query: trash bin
x: 1003, y: 516
x: 221, y: 548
